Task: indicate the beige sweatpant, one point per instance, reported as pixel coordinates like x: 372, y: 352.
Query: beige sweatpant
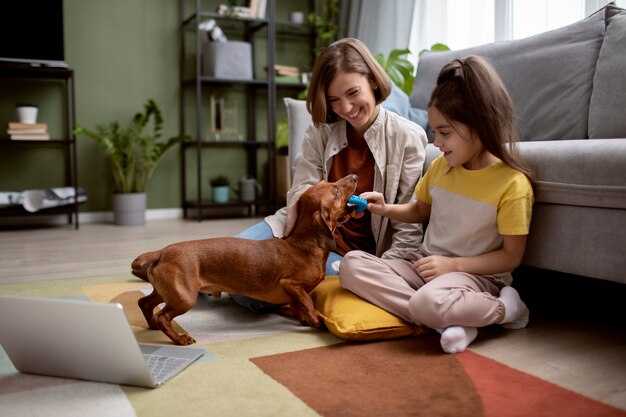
x: 455, y: 298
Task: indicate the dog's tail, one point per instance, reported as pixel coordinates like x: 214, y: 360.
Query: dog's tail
x: 141, y: 264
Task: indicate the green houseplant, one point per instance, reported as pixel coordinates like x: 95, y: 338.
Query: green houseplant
x: 325, y: 23
x: 133, y: 154
x: 398, y: 68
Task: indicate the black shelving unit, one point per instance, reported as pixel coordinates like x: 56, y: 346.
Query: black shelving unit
x: 67, y: 143
x: 250, y: 30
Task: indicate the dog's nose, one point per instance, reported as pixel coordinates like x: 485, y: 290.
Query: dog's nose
x: 355, y: 177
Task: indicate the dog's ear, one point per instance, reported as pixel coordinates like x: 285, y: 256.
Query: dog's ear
x: 325, y: 228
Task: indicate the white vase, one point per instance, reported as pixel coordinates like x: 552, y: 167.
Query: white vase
x: 129, y: 209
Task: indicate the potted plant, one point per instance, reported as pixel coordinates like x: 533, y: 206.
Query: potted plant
x: 220, y: 189
x: 26, y: 113
x: 133, y: 155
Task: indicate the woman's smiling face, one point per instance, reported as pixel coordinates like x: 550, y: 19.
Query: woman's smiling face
x: 351, y: 97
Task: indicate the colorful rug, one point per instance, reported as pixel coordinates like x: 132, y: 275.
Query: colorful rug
x: 268, y: 365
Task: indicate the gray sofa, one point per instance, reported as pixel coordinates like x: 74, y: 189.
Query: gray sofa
x: 569, y: 91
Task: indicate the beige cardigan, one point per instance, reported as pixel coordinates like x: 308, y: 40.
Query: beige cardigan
x: 398, y: 146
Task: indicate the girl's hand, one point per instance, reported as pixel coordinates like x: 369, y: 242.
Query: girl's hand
x: 376, y: 202
x: 431, y: 267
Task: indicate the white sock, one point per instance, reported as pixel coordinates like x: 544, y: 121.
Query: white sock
x: 515, y: 311
x: 455, y: 339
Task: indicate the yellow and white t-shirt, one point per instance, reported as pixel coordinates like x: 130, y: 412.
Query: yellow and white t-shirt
x: 472, y: 209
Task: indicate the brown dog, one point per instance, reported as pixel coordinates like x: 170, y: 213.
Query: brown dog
x: 278, y: 271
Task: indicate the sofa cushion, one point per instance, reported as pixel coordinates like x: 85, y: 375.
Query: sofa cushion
x: 398, y: 102
x: 608, y: 99
x: 578, y: 173
x: 298, y: 119
x: 549, y: 77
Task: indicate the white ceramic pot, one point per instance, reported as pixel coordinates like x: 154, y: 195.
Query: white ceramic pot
x: 27, y: 114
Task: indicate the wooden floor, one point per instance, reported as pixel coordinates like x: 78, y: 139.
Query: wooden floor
x: 576, y: 337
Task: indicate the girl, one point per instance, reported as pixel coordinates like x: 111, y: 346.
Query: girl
x: 477, y: 198
x: 353, y: 134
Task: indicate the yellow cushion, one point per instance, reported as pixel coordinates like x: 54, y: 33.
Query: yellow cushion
x: 350, y: 317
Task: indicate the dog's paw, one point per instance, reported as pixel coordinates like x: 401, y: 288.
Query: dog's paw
x: 185, y: 339
x: 313, y: 319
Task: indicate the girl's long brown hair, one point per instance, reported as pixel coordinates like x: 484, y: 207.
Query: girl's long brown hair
x: 470, y: 91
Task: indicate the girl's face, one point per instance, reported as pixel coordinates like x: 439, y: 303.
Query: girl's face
x: 459, y: 143
x: 351, y: 97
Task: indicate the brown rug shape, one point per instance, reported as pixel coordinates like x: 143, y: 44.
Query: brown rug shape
x: 413, y: 377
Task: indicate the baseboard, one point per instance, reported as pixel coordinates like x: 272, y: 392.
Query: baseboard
x: 151, y: 214
x: 89, y: 217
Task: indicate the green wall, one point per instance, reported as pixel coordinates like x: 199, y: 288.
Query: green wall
x: 123, y: 52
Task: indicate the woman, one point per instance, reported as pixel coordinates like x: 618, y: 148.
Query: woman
x: 353, y: 134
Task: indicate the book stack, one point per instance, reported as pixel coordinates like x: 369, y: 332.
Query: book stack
x: 287, y: 73
x: 28, y: 131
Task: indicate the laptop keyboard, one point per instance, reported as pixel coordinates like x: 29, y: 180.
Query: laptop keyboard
x: 162, y: 367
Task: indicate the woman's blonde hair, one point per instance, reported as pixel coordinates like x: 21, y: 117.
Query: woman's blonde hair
x: 470, y: 91
x: 344, y: 55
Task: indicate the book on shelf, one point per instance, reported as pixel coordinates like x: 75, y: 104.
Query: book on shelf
x: 30, y: 136
x: 261, y: 8
x: 281, y: 67
x: 28, y: 131
x: 254, y: 5
x: 284, y: 79
x: 25, y: 131
x: 286, y: 70
x: 29, y: 126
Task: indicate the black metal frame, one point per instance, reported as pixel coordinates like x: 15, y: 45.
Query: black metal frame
x: 68, y: 142
x: 249, y: 28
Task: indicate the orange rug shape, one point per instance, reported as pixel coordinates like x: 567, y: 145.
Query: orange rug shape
x: 507, y: 392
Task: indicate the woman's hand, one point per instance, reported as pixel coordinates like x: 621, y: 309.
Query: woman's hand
x: 430, y: 267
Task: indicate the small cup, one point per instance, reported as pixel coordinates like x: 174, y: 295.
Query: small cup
x: 27, y: 114
x: 296, y: 17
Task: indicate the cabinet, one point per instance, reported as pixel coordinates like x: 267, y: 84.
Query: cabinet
x: 241, y: 142
x: 41, y: 155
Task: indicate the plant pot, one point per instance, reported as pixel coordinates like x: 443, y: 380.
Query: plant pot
x: 129, y: 209
x: 220, y: 194
x: 27, y: 114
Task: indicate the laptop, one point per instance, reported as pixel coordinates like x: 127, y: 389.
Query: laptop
x: 84, y: 340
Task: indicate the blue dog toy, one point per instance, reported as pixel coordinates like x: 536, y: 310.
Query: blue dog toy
x: 360, y: 203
